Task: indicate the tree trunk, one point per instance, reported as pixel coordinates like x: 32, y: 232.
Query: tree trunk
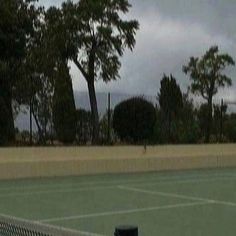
x: 11, y: 134
x: 94, y: 111
x: 40, y: 132
x: 6, y: 96
x: 90, y: 78
x: 209, y: 120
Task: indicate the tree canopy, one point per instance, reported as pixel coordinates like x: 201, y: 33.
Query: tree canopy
x: 98, y: 37
x: 17, y: 22
x: 207, y: 76
x: 170, y: 101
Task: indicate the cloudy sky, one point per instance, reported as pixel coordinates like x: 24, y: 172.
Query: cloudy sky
x: 170, y: 32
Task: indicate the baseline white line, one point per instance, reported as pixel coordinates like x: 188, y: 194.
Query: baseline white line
x: 136, y: 183
x: 178, y: 196
x: 59, y: 228
x: 121, y: 212
x: 160, y: 179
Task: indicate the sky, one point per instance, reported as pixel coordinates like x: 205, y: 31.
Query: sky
x: 170, y: 32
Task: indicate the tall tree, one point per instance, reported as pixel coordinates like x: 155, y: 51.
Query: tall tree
x: 230, y: 127
x: 206, y: 75
x: 100, y: 38
x: 46, y: 53
x: 202, y: 116
x: 188, y: 127
x: 16, y: 26
x: 171, y: 102
x: 64, y: 112
x: 219, y: 112
x: 83, y: 126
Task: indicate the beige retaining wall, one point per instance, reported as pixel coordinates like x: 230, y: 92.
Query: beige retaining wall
x: 64, y: 161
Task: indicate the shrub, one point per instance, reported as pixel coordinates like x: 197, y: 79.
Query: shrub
x: 134, y: 120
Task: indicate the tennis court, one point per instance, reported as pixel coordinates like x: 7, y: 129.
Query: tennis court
x: 199, y: 202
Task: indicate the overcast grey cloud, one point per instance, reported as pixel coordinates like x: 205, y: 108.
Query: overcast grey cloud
x: 170, y: 32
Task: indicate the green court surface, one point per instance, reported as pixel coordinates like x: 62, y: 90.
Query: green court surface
x: 200, y: 202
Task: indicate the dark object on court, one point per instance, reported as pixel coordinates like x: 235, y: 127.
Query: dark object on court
x: 126, y: 231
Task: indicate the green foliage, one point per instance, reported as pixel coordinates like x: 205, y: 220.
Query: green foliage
x: 83, y: 126
x: 171, y: 103
x: 17, y: 23
x: 3, y: 122
x: 188, y: 128
x: 157, y: 135
x: 102, y: 37
x: 99, y: 37
x: 202, y: 116
x: 104, y: 132
x: 44, y: 56
x: 219, y: 113
x: 229, y: 127
x: 206, y: 72
x: 7, y: 123
x: 206, y: 75
x: 134, y: 119
x: 64, y: 113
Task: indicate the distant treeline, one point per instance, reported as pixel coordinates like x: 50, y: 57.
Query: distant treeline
x: 36, y: 46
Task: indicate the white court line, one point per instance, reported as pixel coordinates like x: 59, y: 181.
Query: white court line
x: 85, y: 233
x: 187, y: 197
x: 152, y: 183
x: 165, y: 194
x: 137, y: 183
x: 72, y: 190
x: 174, y: 177
x: 121, y: 212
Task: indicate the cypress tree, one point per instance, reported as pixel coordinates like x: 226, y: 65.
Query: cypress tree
x: 64, y: 111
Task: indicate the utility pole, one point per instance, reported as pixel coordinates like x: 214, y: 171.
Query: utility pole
x: 221, y: 120
x: 31, y: 97
x: 109, y: 119
x: 30, y: 122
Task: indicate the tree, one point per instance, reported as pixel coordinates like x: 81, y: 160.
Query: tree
x: 230, y: 127
x: 100, y: 37
x: 107, y: 134
x: 206, y: 75
x: 171, y: 103
x: 83, y: 126
x: 157, y: 136
x: 188, y: 127
x: 202, y: 115
x: 219, y: 112
x: 41, y: 105
x: 64, y: 112
x: 134, y: 120
x: 16, y: 26
x: 4, y: 129
x: 46, y: 52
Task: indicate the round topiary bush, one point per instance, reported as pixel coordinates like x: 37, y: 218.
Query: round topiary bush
x: 134, y: 119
